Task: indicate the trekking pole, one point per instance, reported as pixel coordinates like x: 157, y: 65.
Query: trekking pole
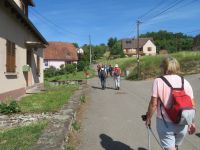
x: 150, y: 130
x: 144, y: 117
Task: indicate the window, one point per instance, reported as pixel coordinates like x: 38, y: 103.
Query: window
x: 10, y: 57
x: 46, y: 63
x: 128, y: 42
x: 38, y: 65
x: 149, y: 49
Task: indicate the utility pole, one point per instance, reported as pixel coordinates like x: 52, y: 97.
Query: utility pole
x: 138, y: 50
x: 90, y: 50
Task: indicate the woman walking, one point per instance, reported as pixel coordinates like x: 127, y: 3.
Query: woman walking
x: 171, y: 135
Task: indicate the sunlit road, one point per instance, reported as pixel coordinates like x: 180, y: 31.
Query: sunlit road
x: 113, y: 119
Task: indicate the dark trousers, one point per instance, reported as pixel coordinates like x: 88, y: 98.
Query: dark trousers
x: 103, y: 83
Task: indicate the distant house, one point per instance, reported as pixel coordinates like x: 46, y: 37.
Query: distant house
x: 59, y: 53
x: 146, y: 46
x: 196, y: 48
x: 21, y: 49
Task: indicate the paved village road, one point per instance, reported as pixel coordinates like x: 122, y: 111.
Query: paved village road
x: 113, y: 119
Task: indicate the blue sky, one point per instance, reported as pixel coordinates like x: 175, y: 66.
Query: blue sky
x: 74, y: 20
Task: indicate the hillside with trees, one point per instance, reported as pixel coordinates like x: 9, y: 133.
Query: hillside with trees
x: 173, y: 42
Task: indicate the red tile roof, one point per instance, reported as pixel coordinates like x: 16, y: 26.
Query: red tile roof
x: 60, y: 51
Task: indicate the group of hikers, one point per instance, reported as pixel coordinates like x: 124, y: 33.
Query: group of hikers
x: 105, y: 70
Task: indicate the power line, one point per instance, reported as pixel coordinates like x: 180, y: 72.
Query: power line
x: 52, y: 23
x: 45, y: 22
x: 151, y: 10
x: 177, y: 2
x: 187, y: 4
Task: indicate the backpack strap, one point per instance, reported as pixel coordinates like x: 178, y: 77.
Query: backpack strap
x: 182, y: 81
x: 167, y: 82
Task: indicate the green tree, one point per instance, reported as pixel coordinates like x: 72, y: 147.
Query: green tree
x: 111, y: 42
x: 76, y: 45
x: 173, y: 42
x: 117, y: 49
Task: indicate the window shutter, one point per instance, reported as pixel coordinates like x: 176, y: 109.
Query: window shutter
x: 38, y: 65
x: 10, y: 56
x: 13, y: 65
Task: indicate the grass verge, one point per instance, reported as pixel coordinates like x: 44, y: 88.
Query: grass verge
x: 73, y: 76
x: 149, y: 65
x: 49, y: 101
x: 21, y: 138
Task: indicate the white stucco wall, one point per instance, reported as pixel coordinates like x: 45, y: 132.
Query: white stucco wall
x: 153, y: 48
x: 12, y: 29
x: 54, y: 63
x: 11, y: 82
x: 130, y: 51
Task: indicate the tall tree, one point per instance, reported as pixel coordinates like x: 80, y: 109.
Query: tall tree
x: 111, y: 42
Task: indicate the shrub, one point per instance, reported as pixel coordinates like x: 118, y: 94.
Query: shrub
x: 50, y: 72
x: 81, y: 65
x: 70, y: 68
x: 13, y: 107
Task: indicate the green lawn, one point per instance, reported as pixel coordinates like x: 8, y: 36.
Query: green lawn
x: 21, y: 138
x: 49, y: 101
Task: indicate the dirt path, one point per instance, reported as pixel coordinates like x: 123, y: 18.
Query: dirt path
x: 113, y: 119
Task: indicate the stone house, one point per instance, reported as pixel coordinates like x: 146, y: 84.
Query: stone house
x: 146, y: 46
x: 59, y: 53
x: 21, y: 49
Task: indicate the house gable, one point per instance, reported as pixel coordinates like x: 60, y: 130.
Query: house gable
x: 149, y: 48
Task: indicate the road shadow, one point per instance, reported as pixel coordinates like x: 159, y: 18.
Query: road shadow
x: 141, y: 148
x: 95, y: 87
x: 112, y: 88
x: 109, y: 144
x: 198, y: 134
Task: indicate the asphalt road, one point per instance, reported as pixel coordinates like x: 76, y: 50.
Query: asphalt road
x: 113, y: 119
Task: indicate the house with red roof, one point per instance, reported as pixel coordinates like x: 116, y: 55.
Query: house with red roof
x: 59, y: 53
x: 146, y: 46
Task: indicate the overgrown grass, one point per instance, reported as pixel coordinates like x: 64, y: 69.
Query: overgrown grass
x: 21, y: 138
x: 73, y: 76
x: 49, y: 101
x: 149, y: 65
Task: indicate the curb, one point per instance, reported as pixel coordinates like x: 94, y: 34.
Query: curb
x: 55, y: 136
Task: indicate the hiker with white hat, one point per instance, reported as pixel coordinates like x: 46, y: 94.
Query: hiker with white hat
x: 116, y: 74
